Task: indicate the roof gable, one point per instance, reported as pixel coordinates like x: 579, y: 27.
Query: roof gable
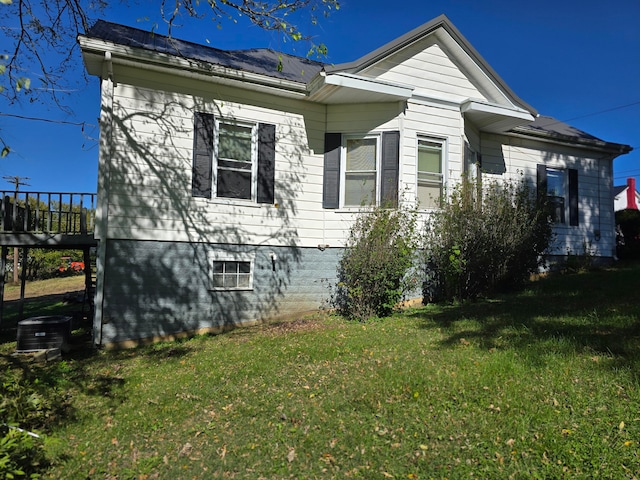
x: 439, y: 37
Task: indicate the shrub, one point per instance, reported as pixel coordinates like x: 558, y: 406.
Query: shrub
x: 374, y: 271
x: 26, y: 404
x: 486, y: 237
x: 628, y: 243
x: 21, y: 455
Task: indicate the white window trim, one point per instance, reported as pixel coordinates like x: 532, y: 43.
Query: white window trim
x: 254, y: 159
x: 343, y: 166
x: 225, y: 256
x: 443, y: 164
x: 470, y: 166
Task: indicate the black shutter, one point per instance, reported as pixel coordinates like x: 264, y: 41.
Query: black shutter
x: 202, y: 155
x: 390, y: 168
x: 331, y: 176
x: 266, y: 162
x: 573, y: 197
x: 542, y: 181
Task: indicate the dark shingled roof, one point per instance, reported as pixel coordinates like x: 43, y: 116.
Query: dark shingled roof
x: 549, y: 127
x: 553, y: 126
x: 619, y: 189
x: 260, y: 60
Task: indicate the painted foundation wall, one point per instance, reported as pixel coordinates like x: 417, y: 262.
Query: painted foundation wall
x: 159, y: 289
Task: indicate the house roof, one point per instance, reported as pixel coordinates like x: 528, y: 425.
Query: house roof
x: 619, y: 189
x: 549, y: 128
x: 262, y: 61
x: 321, y: 80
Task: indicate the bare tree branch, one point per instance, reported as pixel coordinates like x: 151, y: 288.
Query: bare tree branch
x: 41, y: 48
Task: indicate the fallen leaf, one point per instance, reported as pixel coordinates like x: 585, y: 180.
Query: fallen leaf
x: 186, y: 450
x: 291, y: 456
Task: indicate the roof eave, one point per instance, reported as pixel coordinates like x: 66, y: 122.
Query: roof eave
x: 93, y: 51
x: 592, y: 144
x: 341, y: 87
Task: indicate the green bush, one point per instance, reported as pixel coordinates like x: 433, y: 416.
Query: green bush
x: 628, y: 244
x: 26, y: 404
x: 374, y: 272
x: 485, y: 238
x: 21, y: 455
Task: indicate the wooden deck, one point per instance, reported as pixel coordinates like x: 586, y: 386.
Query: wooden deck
x: 56, y: 220
x: 47, y: 219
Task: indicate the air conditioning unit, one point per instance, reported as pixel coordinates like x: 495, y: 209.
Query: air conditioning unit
x: 43, y: 333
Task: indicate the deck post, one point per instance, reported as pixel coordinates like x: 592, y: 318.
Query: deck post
x: 23, y: 282
x: 3, y: 268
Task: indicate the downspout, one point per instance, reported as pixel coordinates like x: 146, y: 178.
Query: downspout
x: 102, y: 207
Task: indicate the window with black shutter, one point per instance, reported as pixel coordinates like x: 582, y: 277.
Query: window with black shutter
x: 234, y: 160
x: 361, y: 170
x: 560, y: 186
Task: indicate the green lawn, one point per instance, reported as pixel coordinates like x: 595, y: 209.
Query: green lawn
x: 541, y: 384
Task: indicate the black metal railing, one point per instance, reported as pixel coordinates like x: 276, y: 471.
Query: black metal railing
x: 48, y: 212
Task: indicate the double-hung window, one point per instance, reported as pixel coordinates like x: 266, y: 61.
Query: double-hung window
x: 233, y: 159
x: 430, y: 176
x: 236, y: 161
x: 560, y: 186
x: 556, y: 194
x: 361, y: 171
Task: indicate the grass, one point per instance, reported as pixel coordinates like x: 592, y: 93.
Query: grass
x: 540, y: 384
x: 51, y: 286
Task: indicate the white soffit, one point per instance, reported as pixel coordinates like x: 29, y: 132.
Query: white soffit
x: 494, y: 118
x: 344, y: 87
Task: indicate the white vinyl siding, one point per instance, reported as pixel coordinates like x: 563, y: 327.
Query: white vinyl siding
x: 148, y: 181
x: 428, y: 67
x: 518, y: 158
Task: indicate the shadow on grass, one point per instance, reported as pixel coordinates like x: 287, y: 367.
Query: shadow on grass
x: 598, y: 311
x: 54, y: 304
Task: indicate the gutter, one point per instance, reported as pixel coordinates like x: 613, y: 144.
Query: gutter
x: 558, y: 138
x: 184, y: 67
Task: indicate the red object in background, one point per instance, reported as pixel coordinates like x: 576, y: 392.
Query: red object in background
x: 77, y: 266
x: 631, y: 194
x: 67, y: 264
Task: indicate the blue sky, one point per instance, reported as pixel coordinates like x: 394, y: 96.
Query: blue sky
x: 575, y: 60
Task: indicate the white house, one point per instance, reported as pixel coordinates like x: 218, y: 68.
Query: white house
x: 228, y: 179
x: 626, y: 196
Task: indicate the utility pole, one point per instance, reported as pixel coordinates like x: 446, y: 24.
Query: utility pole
x: 17, y: 181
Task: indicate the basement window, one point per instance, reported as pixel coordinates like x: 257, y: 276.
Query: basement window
x: 232, y: 271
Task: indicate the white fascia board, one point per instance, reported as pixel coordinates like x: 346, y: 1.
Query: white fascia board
x: 347, y: 81
x: 475, y: 106
x: 156, y: 61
